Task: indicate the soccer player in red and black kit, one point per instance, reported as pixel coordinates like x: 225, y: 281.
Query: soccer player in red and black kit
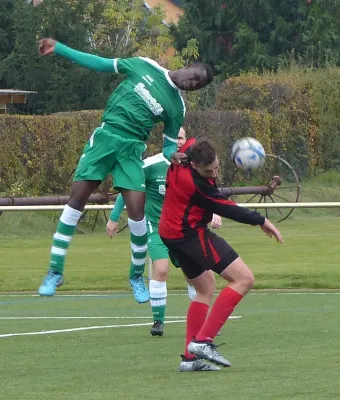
x: 190, y: 200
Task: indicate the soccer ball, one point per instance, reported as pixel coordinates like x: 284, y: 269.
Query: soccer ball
x: 248, y: 154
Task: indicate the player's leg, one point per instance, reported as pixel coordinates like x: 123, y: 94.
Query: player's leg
x: 158, y: 253
x: 191, y: 289
x: 197, y: 313
x: 241, y: 281
x: 158, y: 295
x: 205, y: 284
x: 192, y: 294
x: 94, y: 165
x: 128, y: 176
x: 134, y: 202
x: 197, y: 257
x: 231, y: 267
x: 81, y: 190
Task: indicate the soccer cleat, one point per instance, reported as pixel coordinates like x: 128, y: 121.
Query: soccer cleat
x: 140, y: 291
x: 194, y: 364
x: 51, y: 281
x: 157, y: 328
x: 208, y: 351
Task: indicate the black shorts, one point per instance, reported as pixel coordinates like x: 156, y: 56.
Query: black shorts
x: 200, y: 253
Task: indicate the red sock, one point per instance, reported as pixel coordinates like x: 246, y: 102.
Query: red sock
x: 197, y: 313
x: 224, y: 305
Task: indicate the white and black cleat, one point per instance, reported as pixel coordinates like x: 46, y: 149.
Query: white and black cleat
x: 195, y: 365
x: 207, y: 351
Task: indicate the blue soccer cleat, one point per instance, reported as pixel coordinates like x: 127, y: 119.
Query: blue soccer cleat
x: 51, y: 282
x: 140, y: 291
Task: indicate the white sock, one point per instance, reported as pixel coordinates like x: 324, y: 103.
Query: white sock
x: 191, y: 292
x: 137, y: 228
x: 158, y: 293
x: 70, y: 216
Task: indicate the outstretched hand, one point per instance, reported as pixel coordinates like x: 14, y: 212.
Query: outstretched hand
x: 46, y: 46
x: 270, y: 230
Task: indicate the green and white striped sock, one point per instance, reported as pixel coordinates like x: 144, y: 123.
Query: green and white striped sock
x: 158, y: 295
x: 62, y: 238
x: 138, y: 238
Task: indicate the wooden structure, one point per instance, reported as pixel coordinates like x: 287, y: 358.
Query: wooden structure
x: 12, y: 96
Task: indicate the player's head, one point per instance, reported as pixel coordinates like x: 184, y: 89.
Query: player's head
x: 192, y: 77
x: 203, y: 158
x: 181, y: 138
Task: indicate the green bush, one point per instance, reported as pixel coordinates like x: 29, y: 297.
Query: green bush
x: 302, y: 107
x: 294, y: 114
x: 39, y: 153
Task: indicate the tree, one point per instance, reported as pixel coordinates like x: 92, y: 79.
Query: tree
x: 6, y: 33
x: 109, y: 28
x: 243, y: 35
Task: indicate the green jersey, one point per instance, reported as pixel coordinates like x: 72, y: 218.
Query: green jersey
x: 146, y: 97
x: 155, y: 169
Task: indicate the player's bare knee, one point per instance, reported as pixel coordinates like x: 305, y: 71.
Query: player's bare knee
x: 248, y: 280
x: 204, y: 296
x: 160, y: 270
x: 134, y: 202
x: 81, y: 191
x: 136, y: 215
x: 205, y: 285
x: 77, y: 202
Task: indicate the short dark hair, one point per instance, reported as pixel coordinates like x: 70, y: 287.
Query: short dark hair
x: 207, y: 69
x: 203, y: 152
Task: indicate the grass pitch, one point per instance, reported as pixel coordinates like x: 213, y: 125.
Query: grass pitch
x: 285, y: 346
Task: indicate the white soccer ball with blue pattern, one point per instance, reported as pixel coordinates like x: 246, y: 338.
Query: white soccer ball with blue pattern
x: 248, y: 154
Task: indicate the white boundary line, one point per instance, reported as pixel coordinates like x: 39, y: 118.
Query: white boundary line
x: 87, y: 328
x: 171, y: 294
x: 71, y: 318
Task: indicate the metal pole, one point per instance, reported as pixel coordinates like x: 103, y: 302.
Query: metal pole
x: 248, y: 205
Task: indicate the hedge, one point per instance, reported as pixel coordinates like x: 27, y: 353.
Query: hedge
x: 294, y: 114
x: 39, y: 153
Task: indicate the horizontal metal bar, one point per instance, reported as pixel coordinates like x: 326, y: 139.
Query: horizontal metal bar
x: 109, y: 207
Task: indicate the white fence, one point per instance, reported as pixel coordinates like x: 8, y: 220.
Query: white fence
x: 248, y: 205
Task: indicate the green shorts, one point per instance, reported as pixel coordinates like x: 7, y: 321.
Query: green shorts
x: 156, y: 248
x: 107, y: 152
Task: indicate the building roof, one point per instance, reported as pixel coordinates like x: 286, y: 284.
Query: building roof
x: 13, y: 96
x: 14, y: 91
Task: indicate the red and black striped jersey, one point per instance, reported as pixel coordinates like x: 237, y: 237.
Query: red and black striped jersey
x: 190, y: 200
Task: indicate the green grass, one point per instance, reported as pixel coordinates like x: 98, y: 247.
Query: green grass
x: 309, y: 258
x: 285, y: 346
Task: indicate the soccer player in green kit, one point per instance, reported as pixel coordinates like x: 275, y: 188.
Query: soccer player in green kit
x: 155, y: 169
x: 149, y: 95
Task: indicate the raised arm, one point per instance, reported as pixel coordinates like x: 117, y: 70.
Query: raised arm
x: 208, y: 197
x: 90, y: 61
x: 169, y: 147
